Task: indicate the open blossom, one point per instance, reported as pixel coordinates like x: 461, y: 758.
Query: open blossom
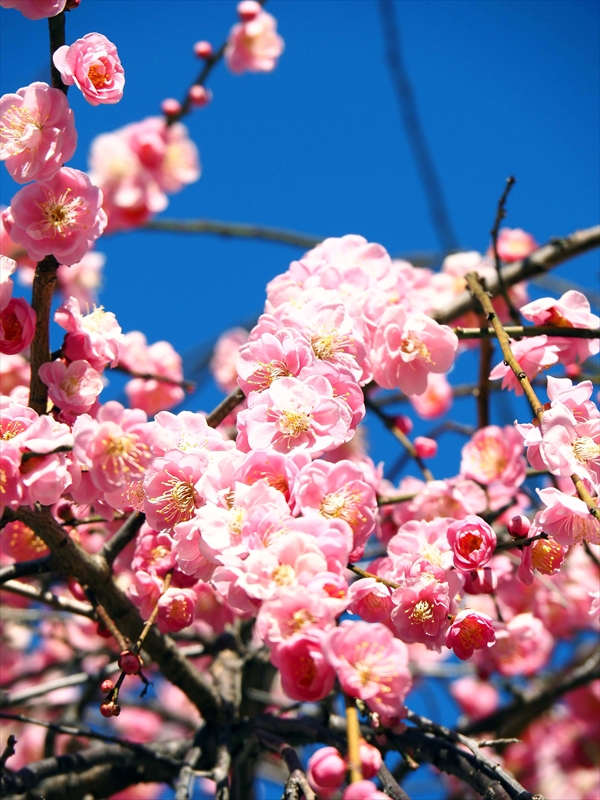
x: 21, y: 543
x: 17, y: 326
x: 225, y: 352
x: 95, y: 337
x: 494, y: 454
x: 7, y: 268
x: 62, y: 216
x: 473, y: 542
x: 176, y: 610
x: 421, y: 610
x: 533, y: 354
x: 255, y: 45
x: 568, y: 446
x: 407, y: 347
x: 522, y: 647
x: 36, y: 9
x: 371, y: 665
x: 566, y: 518
x: 306, y: 674
x: 171, y: 489
x: 514, y: 244
x: 470, y: 630
x: 37, y: 132
x: 72, y: 388
x: 93, y: 65
x: 295, y: 414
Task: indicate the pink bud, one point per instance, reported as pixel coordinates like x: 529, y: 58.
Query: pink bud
x: 573, y: 370
x: 76, y: 590
x: 518, y: 526
x: 363, y: 790
x: 426, y: 448
x: 110, y: 709
x: 129, y: 662
x: 248, y: 10
x: 370, y: 760
x: 480, y: 581
x: 326, y: 768
x: 403, y: 423
x: 199, y: 96
x: 170, y: 107
x: 203, y: 49
x: 107, y: 686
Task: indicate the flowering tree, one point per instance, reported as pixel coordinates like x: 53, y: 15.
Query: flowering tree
x: 192, y: 594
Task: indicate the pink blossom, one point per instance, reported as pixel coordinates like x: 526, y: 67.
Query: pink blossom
x: 93, y: 65
x: 425, y: 447
x: 421, y: 611
x: 407, y: 347
x: 153, y: 552
x: 95, y: 337
x: 533, y: 355
x: 326, y: 768
x: 473, y: 542
x: 338, y: 491
x: 280, y: 470
x: 514, y: 244
x: 151, y: 394
x: 225, y: 354
x: 82, y: 280
x: 37, y: 132
x: 36, y: 9
x: 186, y: 431
x: 545, y: 555
x: 7, y: 268
x: 62, y: 216
x: 568, y: 446
x: 437, y: 398
x: 72, y: 388
x: 21, y: 543
x: 494, y: 454
x: 270, y: 357
x: 476, y: 698
x: 470, y: 631
x: 371, y: 600
x: 363, y: 790
x: 371, y: 665
x: 293, y: 610
x: 306, y: 674
x: 11, y: 488
x: 295, y: 414
x: 456, y: 497
x: 254, y: 46
x: 171, y: 489
x: 522, y: 647
x: 566, y: 518
x: 176, y: 610
x: 17, y: 326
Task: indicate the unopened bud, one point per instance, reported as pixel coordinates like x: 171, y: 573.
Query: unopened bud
x: 518, y: 526
x: 108, y: 709
x: 103, y: 631
x: 425, y: 448
x: 129, y: 662
x: 203, y: 49
x: 199, y: 96
x: 248, y: 10
x: 107, y: 686
x: 403, y: 423
x: 170, y: 107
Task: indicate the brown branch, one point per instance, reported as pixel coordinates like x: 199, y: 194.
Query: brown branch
x: 56, y: 28
x: 22, y: 569
x: 364, y: 574
x: 500, y: 215
x: 94, y: 572
x: 236, y: 230
x: 188, y: 386
x: 549, y: 255
x: 224, y: 408
x: 48, y: 598
x: 519, y: 331
x: 483, y: 384
x: 297, y: 776
x: 9, y: 750
x: 390, y: 785
x: 44, y: 282
x: 126, y: 534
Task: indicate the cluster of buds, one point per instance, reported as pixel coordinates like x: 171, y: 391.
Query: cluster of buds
x: 130, y: 663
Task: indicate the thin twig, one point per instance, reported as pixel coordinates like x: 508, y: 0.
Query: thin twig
x: 188, y: 386
x: 353, y: 736
x: 126, y: 534
x: 49, y: 599
x: 9, y: 750
x: 364, y: 574
x: 236, y: 230
x: 500, y: 215
x: 224, y: 408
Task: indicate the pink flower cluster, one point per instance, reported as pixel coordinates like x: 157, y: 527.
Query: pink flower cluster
x: 136, y: 166
x: 253, y: 44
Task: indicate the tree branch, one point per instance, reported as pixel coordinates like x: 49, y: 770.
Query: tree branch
x: 50, y: 599
x: 236, y: 230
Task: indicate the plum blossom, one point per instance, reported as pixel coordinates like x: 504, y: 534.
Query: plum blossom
x: 95, y: 337
x: 470, y: 631
x: 254, y: 45
x: 306, y: 674
x: 160, y: 359
x: 566, y: 518
x: 62, y: 216
x: 171, y: 489
x: 270, y: 357
x: 533, y: 355
x: 421, y: 610
x: 473, y: 542
x: 93, y: 65
x: 407, y: 347
x: 522, y: 647
x: 326, y: 769
x: 371, y: 665
x: 176, y: 610
x: 83, y: 279
x: 494, y: 454
x: 36, y: 9
x: 568, y: 446
x: 544, y: 555
x: 225, y: 353
x: 17, y: 326
x: 37, y: 132
x: 21, y: 543
x: 295, y: 414
x: 514, y: 244
x: 72, y: 388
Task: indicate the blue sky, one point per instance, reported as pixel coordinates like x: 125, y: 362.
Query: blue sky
x: 317, y: 146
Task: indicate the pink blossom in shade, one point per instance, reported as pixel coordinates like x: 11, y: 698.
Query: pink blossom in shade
x: 92, y: 64
x: 306, y: 674
x: 62, y: 216
x: 254, y: 46
x: 15, y: 374
x: 115, y: 447
x: 186, y: 431
x: 338, y: 491
x: 37, y: 132
x: 160, y: 359
x: 326, y: 769
x: 153, y: 395
x: 7, y: 267
x: 153, y: 552
x: 476, y: 698
x: 165, y: 152
x: 470, y: 630
x: 224, y: 357
x: 270, y: 357
x: 545, y: 555
x: 371, y: 664
x: 293, y: 610
x: 171, y: 489
x: 473, y: 542
x: 21, y: 543
x: 437, y: 398
x: 363, y: 790
x: 523, y: 646
x: 371, y: 600
x: 176, y: 610
x: 295, y: 414
x: 566, y: 518
x: 407, y: 347
x: 421, y: 611
x: 567, y: 446
x: 514, y: 244
x: 17, y: 326
x: 144, y: 591
x: 82, y: 280
x: 186, y: 547
x: 456, y: 497
x: 36, y: 9
x: 72, y: 388
x: 11, y: 488
x: 533, y: 355
x: 480, y: 581
x: 280, y: 470
x: 95, y: 337
x: 494, y: 454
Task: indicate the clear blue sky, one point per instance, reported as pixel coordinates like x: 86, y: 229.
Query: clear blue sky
x: 317, y: 146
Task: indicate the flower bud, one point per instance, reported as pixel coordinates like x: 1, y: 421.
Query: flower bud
x: 199, y: 96
x: 403, y: 423
x: 203, y: 49
x: 107, y: 686
x: 248, y: 10
x: 110, y: 709
x: 426, y: 448
x: 518, y: 526
x: 129, y: 662
x: 103, y: 631
x: 370, y: 760
x: 326, y: 768
x: 170, y: 107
